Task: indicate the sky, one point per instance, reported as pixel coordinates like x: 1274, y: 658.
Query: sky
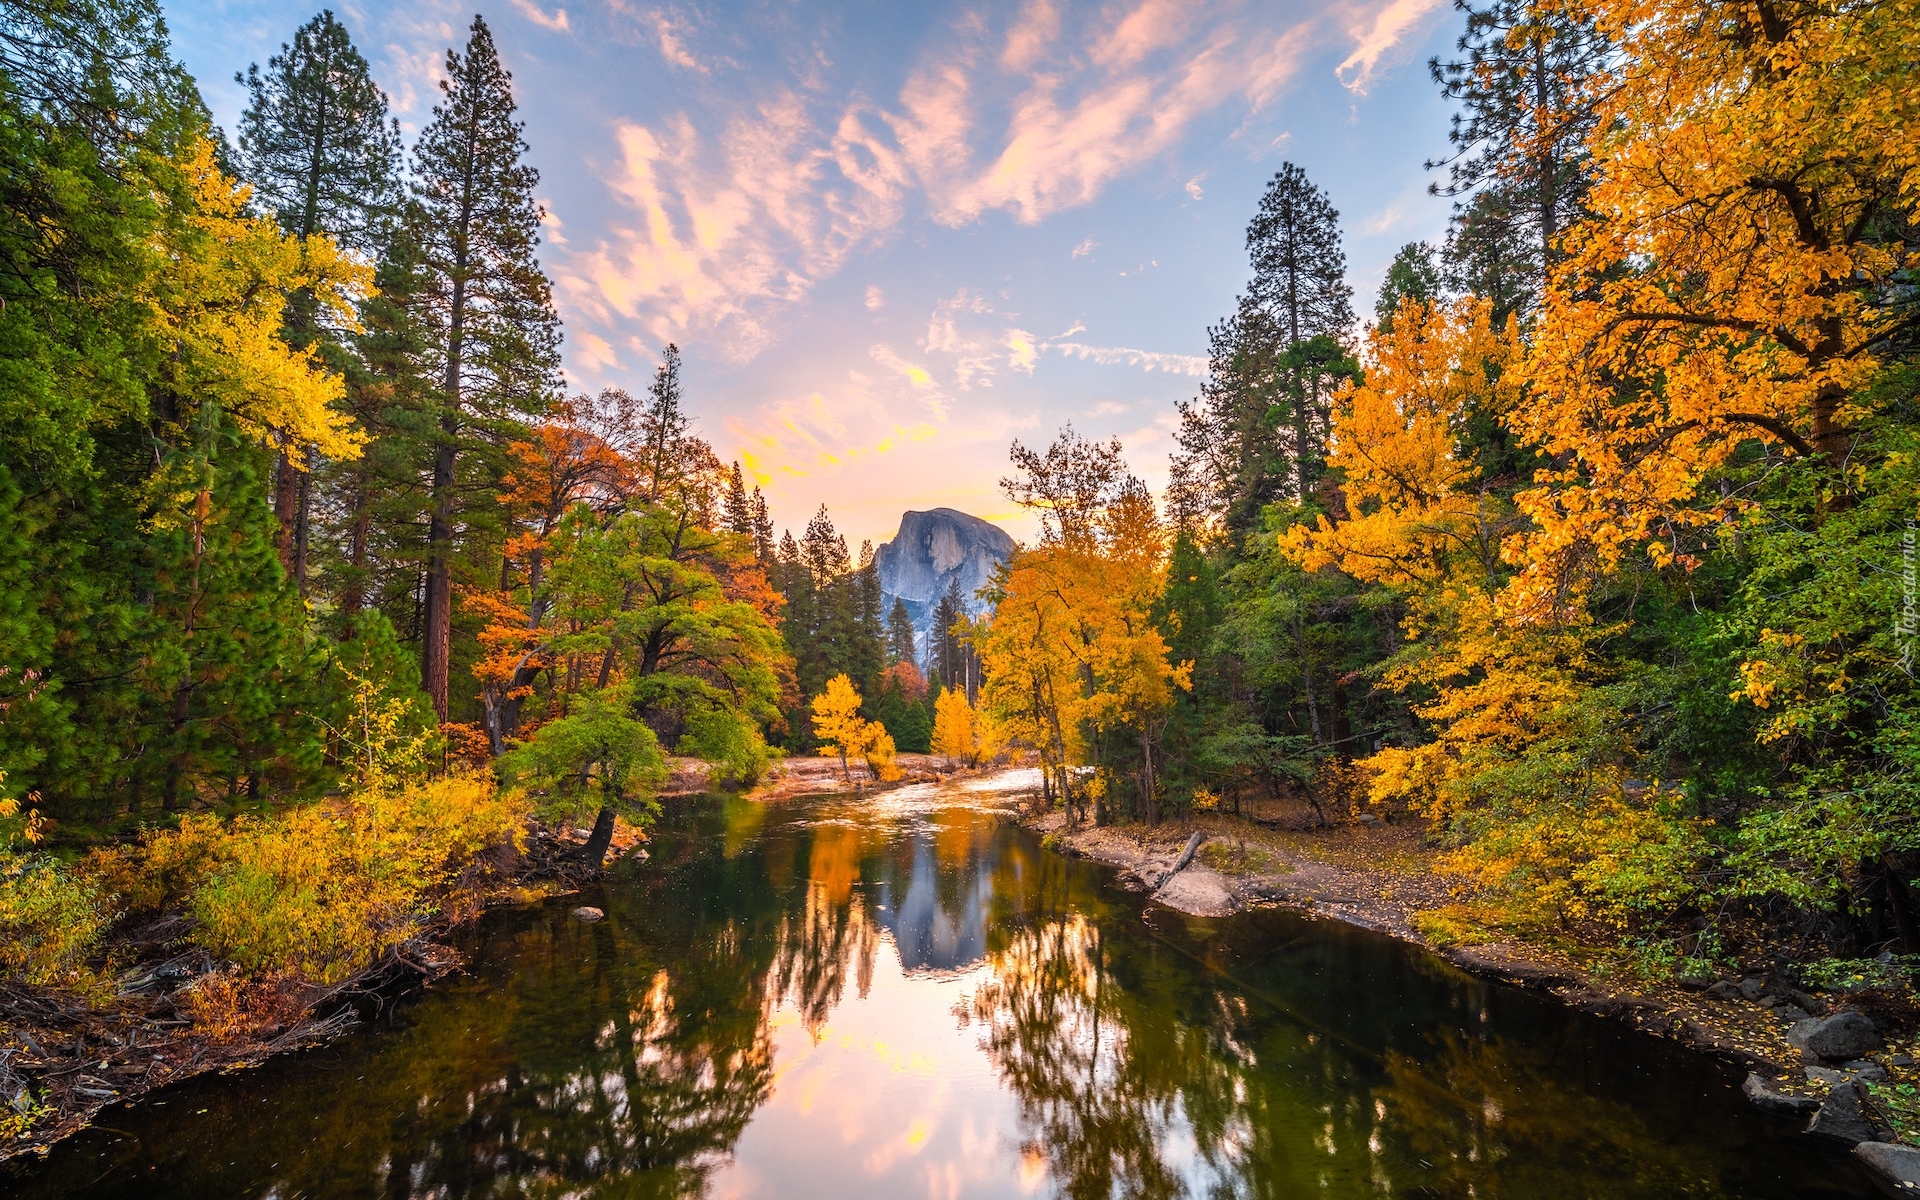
x: 889, y: 238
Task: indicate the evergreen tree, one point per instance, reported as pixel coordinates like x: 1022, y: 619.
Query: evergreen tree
x: 1299, y: 267
x: 1414, y: 274
x: 323, y: 156
x: 1524, y: 83
x: 1257, y: 433
x: 900, y: 635
x: 316, y: 141
x: 491, y: 326
x: 737, y: 510
x: 946, y: 657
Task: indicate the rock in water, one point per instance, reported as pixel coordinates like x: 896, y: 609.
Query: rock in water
x: 1895, y: 1170
x: 1836, y: 1038
x: 933, y: 551
x: 585, y: 913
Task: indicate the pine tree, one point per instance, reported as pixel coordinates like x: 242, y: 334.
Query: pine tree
x: 737, y: 510
x: 493, y: 331
x: 323, y: 157
x: 1414, y: 274
x: 900, y: 635
x: 1257, y: 432
x: 1525, y: 87
x: 1299, y: 267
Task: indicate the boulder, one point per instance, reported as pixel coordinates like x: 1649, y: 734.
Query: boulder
x: 1836, y: 1038
x: 1197, y: 891
x: 1723, y: 991
x: 587, y: 913
x: 1847, y: 1118
x: 1766, y: 1099
x: 1895, y: 1170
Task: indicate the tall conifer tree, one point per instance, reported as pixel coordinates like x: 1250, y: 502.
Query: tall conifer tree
x: 322, y: 154
x: 1524, y: 85
x: 493, y: 332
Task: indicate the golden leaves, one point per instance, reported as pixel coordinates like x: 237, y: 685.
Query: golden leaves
x: 219, y: 303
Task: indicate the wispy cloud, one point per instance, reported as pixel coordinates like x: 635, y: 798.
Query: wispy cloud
x: 1084, y: 248
x: 1377, y: 31
x: 1087, y: 107
x: 1194, y: 189
x: 723, y: 233
x: 533, y: 12
x: 669, y: 31
x: 1147, y: 360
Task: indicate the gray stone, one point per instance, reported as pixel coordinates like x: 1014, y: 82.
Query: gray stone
x: 1836, y: 1038
x: 1695, y: 983
x: 1766, y: 1099
x: 1845, y: 1117
x: 1723, y: 991
x: 585, y: 913
x: 1792, y: 1012
x: 936, y: 550
x: 1751, y: 987
x: 1827, y: 1075
x: 1894, y: 1169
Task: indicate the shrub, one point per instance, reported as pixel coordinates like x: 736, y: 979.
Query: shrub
x: 730, y: 744
x: 51, y: 920
x: 321, y: 892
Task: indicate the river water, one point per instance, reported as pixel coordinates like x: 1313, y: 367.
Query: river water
x: 905, y: 996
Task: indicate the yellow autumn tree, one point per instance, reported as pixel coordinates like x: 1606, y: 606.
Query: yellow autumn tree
x: 1072, y: 651
x: 1528, y: 759
x: 953, y: 732
x: 219, y: 304
x: 1748, y: 209
x: 843, y: 731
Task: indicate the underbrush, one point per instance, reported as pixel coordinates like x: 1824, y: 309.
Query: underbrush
x: 318, y: 892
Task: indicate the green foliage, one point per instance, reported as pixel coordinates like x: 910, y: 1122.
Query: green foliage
x: 732, y: 744
x: 600, y: 755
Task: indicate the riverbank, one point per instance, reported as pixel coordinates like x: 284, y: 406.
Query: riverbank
x: 1383, y: 876
x: 172, y: 1015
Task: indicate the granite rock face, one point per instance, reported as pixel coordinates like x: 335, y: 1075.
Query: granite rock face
x: 934, y: 550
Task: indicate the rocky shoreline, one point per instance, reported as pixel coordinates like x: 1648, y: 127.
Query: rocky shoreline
x: 1805, y: 1055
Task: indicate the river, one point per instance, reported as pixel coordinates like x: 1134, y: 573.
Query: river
x: 904, y: 995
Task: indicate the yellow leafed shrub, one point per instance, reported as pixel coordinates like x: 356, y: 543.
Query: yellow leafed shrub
x: 50, y: 922
x: 321, y: 891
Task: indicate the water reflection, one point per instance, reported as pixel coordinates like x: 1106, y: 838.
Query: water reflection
x: 907, y: 997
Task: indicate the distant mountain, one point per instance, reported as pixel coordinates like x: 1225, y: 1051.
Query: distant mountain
x: 933, y: 550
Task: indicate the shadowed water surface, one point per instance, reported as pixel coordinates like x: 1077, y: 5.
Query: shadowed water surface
x: 905, y: 996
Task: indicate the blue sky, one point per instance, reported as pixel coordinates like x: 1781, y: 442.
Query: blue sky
x: 891, y: 237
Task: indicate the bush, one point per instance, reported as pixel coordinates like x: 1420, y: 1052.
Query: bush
x: 321, y: 892
x: 51, y: 920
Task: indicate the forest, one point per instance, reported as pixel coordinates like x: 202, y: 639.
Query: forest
x: 1593, y: 545
x: 1596, y: 546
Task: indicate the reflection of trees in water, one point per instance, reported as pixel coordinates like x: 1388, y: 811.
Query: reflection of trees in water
x: 1467, y: 1106
x: 1135, y: 1078
x: 827, y: 934
x: 625, y: 1071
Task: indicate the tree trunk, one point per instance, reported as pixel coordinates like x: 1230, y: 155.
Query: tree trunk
x: 286, y: 504
x: 354, y: 596
x: 437, y: 637
x: 595, y: 851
